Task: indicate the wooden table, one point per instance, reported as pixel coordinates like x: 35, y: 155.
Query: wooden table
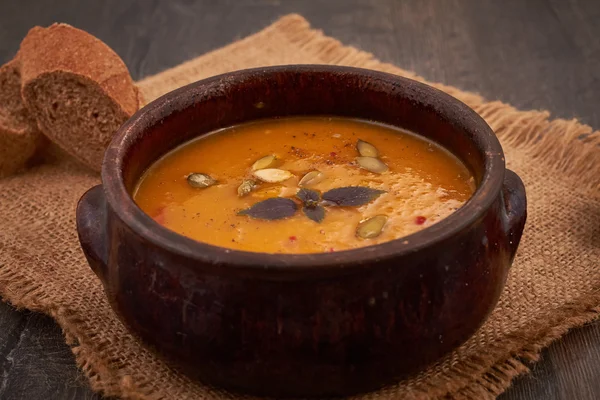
x: 542, y: 54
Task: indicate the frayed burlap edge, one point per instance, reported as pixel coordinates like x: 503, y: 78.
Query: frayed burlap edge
x: 561, y: 145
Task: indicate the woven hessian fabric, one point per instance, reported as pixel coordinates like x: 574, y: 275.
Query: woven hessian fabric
x: 554, y: 284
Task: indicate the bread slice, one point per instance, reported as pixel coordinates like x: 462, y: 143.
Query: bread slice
x: 19, y: 136
x: 78, y: 89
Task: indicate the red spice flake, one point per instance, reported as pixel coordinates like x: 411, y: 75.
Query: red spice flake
x: 293, y: 238
x: 298, y: 152
x: 333, y: 154
x: 331, y: 249
x: 420, y: 220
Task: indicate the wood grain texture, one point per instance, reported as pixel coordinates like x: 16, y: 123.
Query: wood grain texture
x: 35, y: 361
x: 541, y: 54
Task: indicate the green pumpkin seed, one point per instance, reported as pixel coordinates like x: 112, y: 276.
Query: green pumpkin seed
x: 201, y: 181
x: 265, y: 162
x: 366, y: 149
x: 312, y: 178
x: 371, y: 227
x: 246, y: 187
x: 372, y: 164
x: 273, y: 175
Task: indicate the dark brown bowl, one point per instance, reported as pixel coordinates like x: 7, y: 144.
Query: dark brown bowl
x: 307, y: 324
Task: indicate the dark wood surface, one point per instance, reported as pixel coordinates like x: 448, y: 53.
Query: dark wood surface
x: 542, y: 54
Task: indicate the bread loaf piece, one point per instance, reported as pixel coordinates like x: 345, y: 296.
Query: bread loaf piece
x: 78, y: 89
x: 19, y: 136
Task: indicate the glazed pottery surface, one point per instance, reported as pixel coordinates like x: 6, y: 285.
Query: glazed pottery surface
x: 307, y: 324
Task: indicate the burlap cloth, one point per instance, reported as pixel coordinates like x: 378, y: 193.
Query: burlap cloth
x: 554, y: 284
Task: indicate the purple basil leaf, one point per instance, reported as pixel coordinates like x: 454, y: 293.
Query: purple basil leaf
x: 308, y: 196
x: 271, y: 209
x: 351, y: 195
x: 316, y: 213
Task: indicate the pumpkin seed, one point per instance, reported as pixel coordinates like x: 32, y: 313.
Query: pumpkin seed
x: 197, y: 180
x: 371, y: 227
x: 312, y: 178
x: 265, y: 162
x: 246, y: 187
x: 366, y: 149
x: 372, y: 164
x: 267, y: 191
x: 272, y: 175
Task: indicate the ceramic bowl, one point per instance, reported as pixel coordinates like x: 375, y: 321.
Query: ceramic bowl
x: 306, y: 324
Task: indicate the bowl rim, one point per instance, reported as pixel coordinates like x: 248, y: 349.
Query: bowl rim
x: 123, y: 205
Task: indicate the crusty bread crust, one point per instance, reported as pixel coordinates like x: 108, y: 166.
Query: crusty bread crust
x: 62, y: 47
x: 19, y: 136
x: 63, y: 56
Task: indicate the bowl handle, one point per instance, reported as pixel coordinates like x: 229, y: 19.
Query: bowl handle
x: 515, y: 203
x: 91, y: 228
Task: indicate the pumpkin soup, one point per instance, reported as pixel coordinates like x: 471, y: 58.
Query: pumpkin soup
x: 303, y: 185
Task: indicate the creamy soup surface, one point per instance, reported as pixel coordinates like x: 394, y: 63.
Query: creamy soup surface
x: 400, y: 184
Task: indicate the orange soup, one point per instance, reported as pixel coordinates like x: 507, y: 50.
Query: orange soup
x: 303, y: 185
